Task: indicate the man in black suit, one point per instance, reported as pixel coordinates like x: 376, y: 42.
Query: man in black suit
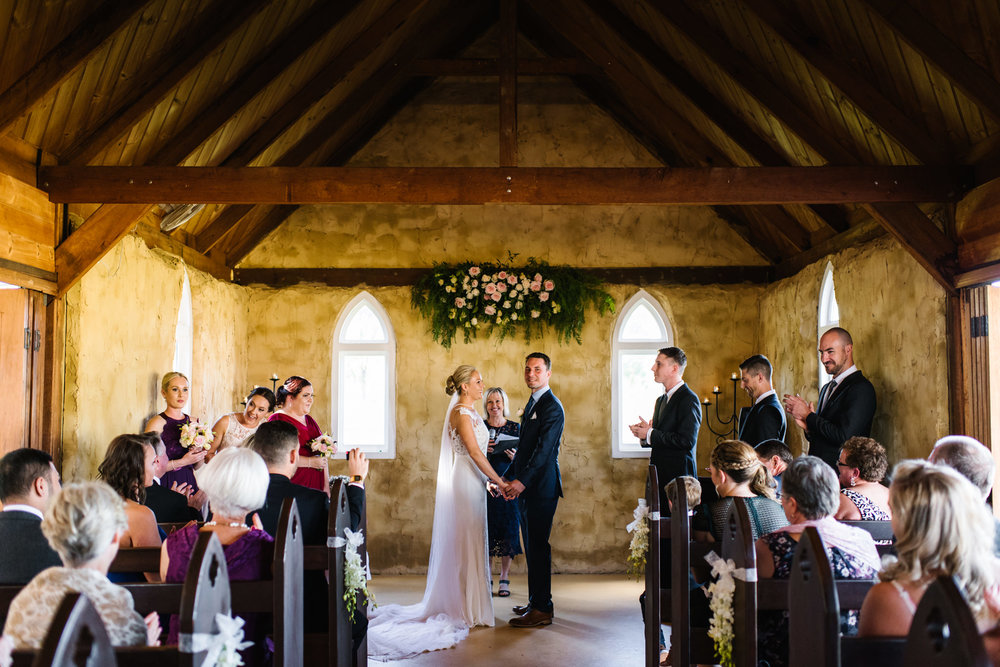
x: 536, y: 483
x: 846, y: 403
x: 173, y: 505
x: 672, y: 434
x: 277, y: 443
x: 28, y: 482
x: 765, y: 418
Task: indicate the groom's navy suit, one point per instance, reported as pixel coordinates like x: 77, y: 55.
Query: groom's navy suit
x: 762, y: 421
x: 536, y: 465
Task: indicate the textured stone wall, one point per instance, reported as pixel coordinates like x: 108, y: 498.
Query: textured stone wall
x: 895, y: 312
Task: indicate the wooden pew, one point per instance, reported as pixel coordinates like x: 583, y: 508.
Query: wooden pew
x: 881, y: 532
x: 657, y: 597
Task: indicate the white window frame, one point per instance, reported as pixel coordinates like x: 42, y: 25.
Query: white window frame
x: 825, y: 322
x: 621, y: 450
x: 183, y: 361
x: 388, y: 349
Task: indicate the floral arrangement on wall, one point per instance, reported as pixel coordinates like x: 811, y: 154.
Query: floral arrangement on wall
x: 501, y: 300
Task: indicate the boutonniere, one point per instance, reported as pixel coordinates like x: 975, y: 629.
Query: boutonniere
x: 534, y: 415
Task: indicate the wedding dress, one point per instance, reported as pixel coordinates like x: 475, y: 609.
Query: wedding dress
x: 457, y: 595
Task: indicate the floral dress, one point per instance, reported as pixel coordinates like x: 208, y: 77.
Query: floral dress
x: 772, y: 626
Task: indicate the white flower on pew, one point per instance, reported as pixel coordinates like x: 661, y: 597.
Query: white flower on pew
x: 720, y: 592
x: 6, y: 651
x: 355, y: 579
x: 222, y: 647
x: 639, y: 546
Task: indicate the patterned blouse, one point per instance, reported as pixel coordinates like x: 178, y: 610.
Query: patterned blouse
x: 32, y: 610
x: 869, y: 510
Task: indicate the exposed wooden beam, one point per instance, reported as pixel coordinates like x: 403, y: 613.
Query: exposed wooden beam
x: 508, y: 83
x: 481, y: 185
x: 958, y: 376
x: 269, y: 218
x: 862, y: 233
x: 255, y: 76
x: 65, y: 57
x: 918, y: 234
x: 491, y: 67
x: 154, y: 238
x: 855, y: 86
x: 983, y: 275
x: 943, y: 54
x: 400, y: 277
x: 215, y: 25
x: 27, y: 276
x: 982, y: 250
x: 88, y: 244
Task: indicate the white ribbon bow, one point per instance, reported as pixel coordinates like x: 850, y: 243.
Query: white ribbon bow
x: 355, y: 539
x: 640, y: 512
x: 726, y: 570
x: 6, y: 650
x: 222, y: 647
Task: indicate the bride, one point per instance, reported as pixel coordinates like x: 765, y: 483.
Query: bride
x: 458, y: 595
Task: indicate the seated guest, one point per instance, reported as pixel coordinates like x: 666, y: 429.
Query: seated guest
x: 171, y: 505
x: 235, y: 481
x: 738, y: 473
x: 861, y: 466
x: 974, y: 461
x: 942, y: 527
x: 128, y: 469
x: 84, y: 525
x: 28, y: 482
x: 810, y: 498
x: 776, y: 457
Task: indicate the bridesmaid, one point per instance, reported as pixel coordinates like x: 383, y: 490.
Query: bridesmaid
x: 234, y: 429
x: 295, y: 399
x: 180, y: 469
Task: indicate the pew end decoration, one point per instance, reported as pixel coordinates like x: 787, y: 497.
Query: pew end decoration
x: 355, y: 577
x: 196, y: 434
x: 720, y: 593
x: 502, y: 300
x: 639, y: 546
x: 324, y: 445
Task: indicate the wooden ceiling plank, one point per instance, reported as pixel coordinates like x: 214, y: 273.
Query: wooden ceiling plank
x: 216, y: 25
x: 491, y: 67
x: 862, y: 94
x: 941, y: 52
x: 477, y: 185
x: 254, y: 77
x: 82, y: 249
x: 63, y: 59
x: 508, y: 83
x: 918, y: 234
x: 323, y: 81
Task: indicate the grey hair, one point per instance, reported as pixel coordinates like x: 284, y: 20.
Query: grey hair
x: 813, y: 484
x: 968, y: 457
x: 503, y: 395
x: 235, y: 481
x: 82, y: 521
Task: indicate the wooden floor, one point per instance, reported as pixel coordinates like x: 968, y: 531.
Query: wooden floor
x: 597, y: 623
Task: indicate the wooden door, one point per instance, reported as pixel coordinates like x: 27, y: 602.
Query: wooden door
x: 16, y: 340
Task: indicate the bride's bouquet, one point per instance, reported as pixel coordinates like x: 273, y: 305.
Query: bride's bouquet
x: 196, y: 434
x: 324, y: 445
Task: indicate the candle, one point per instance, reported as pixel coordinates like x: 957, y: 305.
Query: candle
x: 715, y: 390
x: 734, y: 376
x: 274, y: 377
x: 705, y: 401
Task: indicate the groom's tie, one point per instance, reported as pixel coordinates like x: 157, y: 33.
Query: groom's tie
x: 527, y: 408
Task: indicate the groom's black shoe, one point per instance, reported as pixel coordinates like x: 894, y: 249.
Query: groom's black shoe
x: 521, y: 610
x: 531, y: 619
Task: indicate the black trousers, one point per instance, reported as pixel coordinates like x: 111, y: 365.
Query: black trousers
x: 536, y: 526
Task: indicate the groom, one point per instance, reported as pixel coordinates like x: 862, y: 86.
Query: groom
x: 537, y: 486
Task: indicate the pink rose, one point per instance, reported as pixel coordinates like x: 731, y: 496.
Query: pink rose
x: 512, y: 280
x: 535, y: 313
x: 538, y: 277
x: 473, y: 271
x: 549, y: 285
x: 496, y: 296
x: 490, y: 310
x: 535, y: 286
x: 502, y: 275
x: 200, y: 440
x: 544, y: 296
x: 490, y: 288
x: 459, y: 302
x: 501, y: 287
x: 475, y: 283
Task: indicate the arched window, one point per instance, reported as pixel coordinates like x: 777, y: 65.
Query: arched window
x: 184, y: 336
x: 829, y: 314
x: 642, y: 329
x: 364, y: 373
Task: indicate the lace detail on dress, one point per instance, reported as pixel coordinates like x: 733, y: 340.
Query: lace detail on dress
x: 236, y: 433
x: 478, y: 428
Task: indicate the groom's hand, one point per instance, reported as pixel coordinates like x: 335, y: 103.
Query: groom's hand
x: 514, y: 490
x: 640, y: 430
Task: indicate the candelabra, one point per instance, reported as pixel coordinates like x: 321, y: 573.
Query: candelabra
x: 274, y: 382
x: 731, y: 423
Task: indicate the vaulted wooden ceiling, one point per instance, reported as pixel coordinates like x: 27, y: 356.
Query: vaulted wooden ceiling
x: 721, y: 83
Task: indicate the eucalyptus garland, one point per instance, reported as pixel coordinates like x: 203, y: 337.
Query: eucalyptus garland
x: 500, y: 300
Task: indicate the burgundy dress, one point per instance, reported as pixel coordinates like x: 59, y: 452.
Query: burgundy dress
x: 247, y: 559
x: 171, y: 437
x: 311, y: 477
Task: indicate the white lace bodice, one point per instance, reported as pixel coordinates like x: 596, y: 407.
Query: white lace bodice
x: 478, y: 428
x: 236, y: 433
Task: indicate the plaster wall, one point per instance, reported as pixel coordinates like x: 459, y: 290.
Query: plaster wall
x: 895, y: 312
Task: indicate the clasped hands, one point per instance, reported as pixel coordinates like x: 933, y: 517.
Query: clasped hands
x: 799, y: 408
x: 640, y: 430
x: 195, y: 499
x: 509, y: 490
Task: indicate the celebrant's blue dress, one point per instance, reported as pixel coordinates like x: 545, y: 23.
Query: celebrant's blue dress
x: 502, y: 521
x: 171, y: 437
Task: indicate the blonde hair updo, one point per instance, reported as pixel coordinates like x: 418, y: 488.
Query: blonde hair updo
x: 462, y: 375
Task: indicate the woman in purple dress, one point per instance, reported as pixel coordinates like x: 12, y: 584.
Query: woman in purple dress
x: 174, y: 388
x: 235, y: 482
x: 295, y: 399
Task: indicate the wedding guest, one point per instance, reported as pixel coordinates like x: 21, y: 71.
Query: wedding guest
x: 84, y: 525
x: 28, y: 483
x: 128, y: 469
x: 776, y: 457
x: 737, y: 473
x: 183, y: 461
x: 974, y: 461
x: 502, y: 521
x: 176, y: 504
x: 810, y: 498
x: 764, y: 419
x: 294, y: 400
x: 234, y: 429
x: 861, y: 467
x: 235, y: 482
x: 942, y: 527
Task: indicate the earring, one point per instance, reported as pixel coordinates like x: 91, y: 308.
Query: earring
x: 853, y: 481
